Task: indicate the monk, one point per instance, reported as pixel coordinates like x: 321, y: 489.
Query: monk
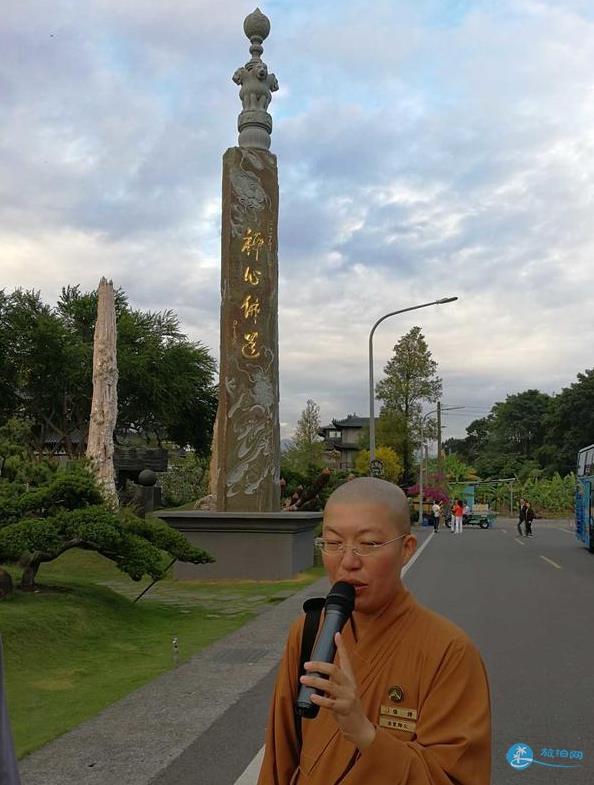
x: 406, y: 701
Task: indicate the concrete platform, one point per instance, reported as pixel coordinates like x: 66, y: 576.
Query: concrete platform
x: 259, y: 546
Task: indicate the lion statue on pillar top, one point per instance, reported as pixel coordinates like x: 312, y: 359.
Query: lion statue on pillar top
x: 257, y: 85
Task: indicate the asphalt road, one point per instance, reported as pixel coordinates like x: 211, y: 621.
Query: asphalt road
x: 528, y: 604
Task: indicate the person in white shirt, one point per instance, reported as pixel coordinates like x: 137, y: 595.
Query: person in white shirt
x: 436, y: 511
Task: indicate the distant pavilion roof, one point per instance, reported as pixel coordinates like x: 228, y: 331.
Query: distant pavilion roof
x: 352, y: 421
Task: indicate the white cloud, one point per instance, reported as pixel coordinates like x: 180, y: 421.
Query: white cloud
x: 422, y: 153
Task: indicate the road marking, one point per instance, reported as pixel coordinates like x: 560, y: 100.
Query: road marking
x: 503, y: 531
x: 568, y: 531
x: 554, y: 563
x: 407, y: 567
x: 250, y: 775
x: 519, y: 541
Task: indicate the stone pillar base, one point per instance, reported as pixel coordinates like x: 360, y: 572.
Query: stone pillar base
x: 255, y: 546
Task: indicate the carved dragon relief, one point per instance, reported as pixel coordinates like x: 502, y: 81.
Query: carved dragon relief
x: 251, y: 417
x: 250, y: 196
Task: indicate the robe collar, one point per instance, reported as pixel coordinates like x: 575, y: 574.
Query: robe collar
x: 376, y: 624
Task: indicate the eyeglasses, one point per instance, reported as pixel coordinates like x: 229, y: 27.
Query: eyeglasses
x: 362, y: 549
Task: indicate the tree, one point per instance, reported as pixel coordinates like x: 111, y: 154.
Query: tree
x: 457, y: 470
x: 389, y: 458
x: 305, y: 454
x: 166, y: 384
x: 39, y: 524
x: 570, y: 423
x: 14, y: 436
x: 44, y: 366
x: 8, y: 395
x: 308, y: 426
x: 518, y: 423
x: 476, y: 441
x: 390, y: 431
x: 410, y: 380
x: 509, y: 439
x: 531, y: 435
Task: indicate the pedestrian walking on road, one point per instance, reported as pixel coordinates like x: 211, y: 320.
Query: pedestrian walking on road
x: 406, y: 699
x: 458, y: 513
x: 522, y: 519
x: 436, y: 510
x: 529, y: 517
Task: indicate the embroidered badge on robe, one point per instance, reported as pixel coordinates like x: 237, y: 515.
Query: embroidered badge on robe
x: 397, y: 717
x: 396, y: 694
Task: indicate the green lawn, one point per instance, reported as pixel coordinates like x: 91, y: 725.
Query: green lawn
x: 78, y: 646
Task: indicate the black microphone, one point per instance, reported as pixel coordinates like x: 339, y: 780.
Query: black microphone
x: 337, y: 611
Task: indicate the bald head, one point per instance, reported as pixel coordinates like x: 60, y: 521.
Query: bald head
x: 370, y: 490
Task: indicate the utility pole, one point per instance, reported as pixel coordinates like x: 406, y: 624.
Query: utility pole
x: 421, y: 462
x: 439, y: 456
x: 422, y: 426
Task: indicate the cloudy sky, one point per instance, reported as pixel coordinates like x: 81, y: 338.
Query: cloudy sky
x: 427, y: 148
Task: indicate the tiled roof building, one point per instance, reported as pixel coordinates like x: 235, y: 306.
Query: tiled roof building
x: 341, y: 440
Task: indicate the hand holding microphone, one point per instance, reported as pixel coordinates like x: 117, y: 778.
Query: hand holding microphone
x: 337, y: 611
x: 334, y: 686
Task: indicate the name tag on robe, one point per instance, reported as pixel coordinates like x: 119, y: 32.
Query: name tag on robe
x: 399, y: 711
x: 396, y: 724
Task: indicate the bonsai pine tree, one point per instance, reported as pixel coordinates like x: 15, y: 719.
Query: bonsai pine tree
x: 67, y: 510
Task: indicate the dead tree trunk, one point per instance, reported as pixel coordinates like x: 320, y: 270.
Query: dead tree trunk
x: 104, y: 409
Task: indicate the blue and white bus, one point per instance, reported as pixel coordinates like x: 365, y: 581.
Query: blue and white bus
x: 584, y: 501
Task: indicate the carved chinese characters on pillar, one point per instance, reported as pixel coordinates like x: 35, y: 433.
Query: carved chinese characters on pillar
x: 252, y: 243
x: 252, y: 276
x: 248, y: 430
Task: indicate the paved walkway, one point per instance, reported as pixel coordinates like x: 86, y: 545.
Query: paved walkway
x: 227, y: 603
x: 136, y: 739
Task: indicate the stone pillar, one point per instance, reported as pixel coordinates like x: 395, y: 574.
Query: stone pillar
x: 104, y: 408
x: 247, y: 439
x: 245, y: 466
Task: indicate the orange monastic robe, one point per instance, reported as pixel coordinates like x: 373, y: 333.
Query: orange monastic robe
x: 443, y: 691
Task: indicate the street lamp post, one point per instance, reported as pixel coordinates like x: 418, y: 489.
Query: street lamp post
x: 423, y: 418
x: 371, y: 385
